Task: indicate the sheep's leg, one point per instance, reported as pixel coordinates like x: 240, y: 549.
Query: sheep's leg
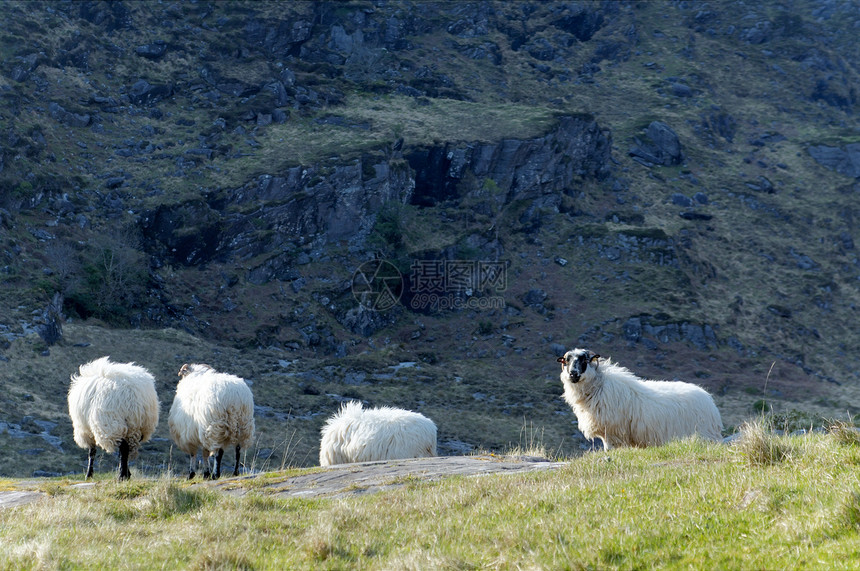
x: 91, y: 460
x: 124, y: 472
x: 218, y: 457
x: 191, y: 472
x: 207, y: 466
x: 236, y: 468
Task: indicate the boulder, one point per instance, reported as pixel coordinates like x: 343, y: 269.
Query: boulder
x: 661, y: 145
x: 844, y: 160
x: 50, y: 326
x: 153, y: 51
x: 144, y: 93
x: 25, y: 66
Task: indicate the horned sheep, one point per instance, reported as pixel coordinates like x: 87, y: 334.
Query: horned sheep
x: 358, y: 435
x: 211, y: 411
x: 113, y: 406
x: 613, y: 404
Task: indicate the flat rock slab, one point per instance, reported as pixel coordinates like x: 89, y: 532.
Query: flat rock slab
x: 368, y: 477
x: 15, y: 499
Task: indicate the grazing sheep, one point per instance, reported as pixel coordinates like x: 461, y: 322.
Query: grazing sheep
x: 621, y: 409
x: 358, y: 435
x: 113, y: 405
x: 210, y: 412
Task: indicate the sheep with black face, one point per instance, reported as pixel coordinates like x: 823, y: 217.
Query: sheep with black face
x: 613, y: 404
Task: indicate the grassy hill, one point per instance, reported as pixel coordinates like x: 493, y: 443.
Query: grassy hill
x: 735, y: 268
x: 767, y: 502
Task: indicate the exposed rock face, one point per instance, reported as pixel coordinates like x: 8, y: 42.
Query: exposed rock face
x: 521, y: 169
x: 642, y: 329
x: 184, y: 234
x: 305, y: 205
x: 325, y: 204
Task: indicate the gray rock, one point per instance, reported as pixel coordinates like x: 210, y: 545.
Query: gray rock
x: 144, y: 93
x: 679, y: 199
x: 692, y: 215
x: 27, y: 65
x: 681, y: 90
x: 535, y: 297
x: 153, y: 51
x: 660, y: 146
x: 71, y: 119
x: 632, y: 329
x: 51, y: 327
x: 557, y: 349
x: 758, y: 34
x: 844, y: 160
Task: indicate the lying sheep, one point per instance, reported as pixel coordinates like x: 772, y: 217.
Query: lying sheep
x: 613, y: 404
x: 358, y: 435
x: 210, y: 412
x: 113, y: 405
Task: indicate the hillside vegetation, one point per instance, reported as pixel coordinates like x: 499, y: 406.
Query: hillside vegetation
x: 684, y: 505
x: 672, y: 184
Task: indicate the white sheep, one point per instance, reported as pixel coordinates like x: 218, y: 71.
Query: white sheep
x: 113, y: 405
x: 385, y: 433
x: 210, y: 412
x: 613, y: 404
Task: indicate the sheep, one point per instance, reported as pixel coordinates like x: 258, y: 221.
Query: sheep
x: 113, y: 405
x: 621, y: 409
x: 211, y: 411
x: 385, y: 433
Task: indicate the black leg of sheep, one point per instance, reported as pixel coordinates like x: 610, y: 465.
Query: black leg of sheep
x: 218, y: 458
x: 191, y: 472
x: 91, y: 460
x: 124, y: 472
x: 236, y: 468
x: 207, y: 465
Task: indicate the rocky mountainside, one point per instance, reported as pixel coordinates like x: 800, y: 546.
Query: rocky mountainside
x: 423, y: 204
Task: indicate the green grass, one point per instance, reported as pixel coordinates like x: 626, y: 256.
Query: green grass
x: 686, y: 505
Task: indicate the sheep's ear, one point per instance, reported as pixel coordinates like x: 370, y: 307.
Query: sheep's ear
x: 593, y: 358
x: 560, y: 360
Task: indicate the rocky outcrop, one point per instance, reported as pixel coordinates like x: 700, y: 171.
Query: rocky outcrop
x: 270, y: 220
x: 313, y: 206
x: 519, y: 169
x: 649, y: 330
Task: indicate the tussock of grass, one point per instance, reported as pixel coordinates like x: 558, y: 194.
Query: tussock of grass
x: 844, y: 432
x: 761, y: 447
